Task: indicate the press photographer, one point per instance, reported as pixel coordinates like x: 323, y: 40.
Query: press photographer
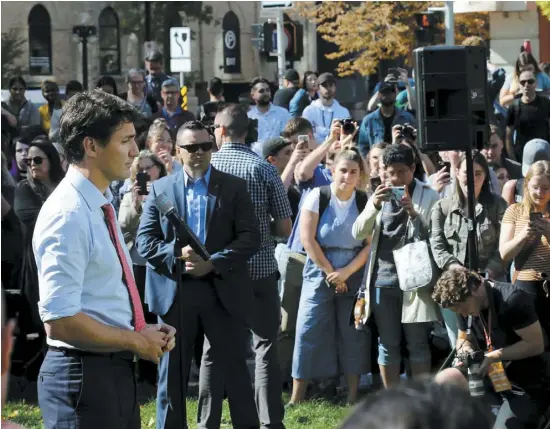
x: 506, y: 329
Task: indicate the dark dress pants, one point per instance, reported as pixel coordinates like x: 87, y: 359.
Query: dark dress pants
x: 197, y: 304
x: 78, y: 390
x: 266, y: 319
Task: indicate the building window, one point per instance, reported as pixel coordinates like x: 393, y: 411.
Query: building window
x: 40, y: 41
x: 109, y: 42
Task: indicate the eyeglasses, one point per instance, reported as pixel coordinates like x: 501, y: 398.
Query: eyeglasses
x: 264, y: 90
x: 137, y: 82
x: 37, y: 160
x: 192, y: 148
x: 527, y: 82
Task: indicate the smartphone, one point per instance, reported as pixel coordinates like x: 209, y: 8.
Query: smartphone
x: 375, y: 182
x: 398, y: 192
x: 534, y: 216
x: 327, y: 283
x: 303, y: 142
x: 447, y: 166
x: 142, y: 178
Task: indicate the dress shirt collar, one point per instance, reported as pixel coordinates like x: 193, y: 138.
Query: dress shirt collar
x: 206, y: 177
x: 255, y: 108
x: 93, y: 197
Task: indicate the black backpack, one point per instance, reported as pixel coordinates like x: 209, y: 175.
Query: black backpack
x: 325, y: 193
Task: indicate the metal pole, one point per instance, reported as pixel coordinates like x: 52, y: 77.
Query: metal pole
x: 147, y: 21
x: 182, y: 80
x: 472, y: 235
x: 281, y: 60
x: 449, y: 24
x: 85, y: 62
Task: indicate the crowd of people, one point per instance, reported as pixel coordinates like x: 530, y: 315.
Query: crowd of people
x: 301, y: 209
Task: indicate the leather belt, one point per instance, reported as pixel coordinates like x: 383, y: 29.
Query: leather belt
x: 79, y: 353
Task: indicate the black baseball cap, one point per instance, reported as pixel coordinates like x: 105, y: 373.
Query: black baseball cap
x: 326, y: 78
x: 272, y: 146
x: 292, y: 75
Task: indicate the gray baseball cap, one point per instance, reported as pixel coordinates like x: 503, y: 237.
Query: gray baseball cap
x: 534, y: 150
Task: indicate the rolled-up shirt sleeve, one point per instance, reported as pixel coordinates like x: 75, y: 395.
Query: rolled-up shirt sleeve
x: 61, y: 249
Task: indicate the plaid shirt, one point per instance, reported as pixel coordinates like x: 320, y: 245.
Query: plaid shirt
x: 268, y: 196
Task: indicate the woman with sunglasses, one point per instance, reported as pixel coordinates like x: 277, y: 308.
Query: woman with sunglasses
x: 528, y: 117
x: 512, y: 89
x: 147, y: 168
x: 44, y: 173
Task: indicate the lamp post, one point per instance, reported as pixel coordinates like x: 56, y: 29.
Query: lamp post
x: 83, y: 32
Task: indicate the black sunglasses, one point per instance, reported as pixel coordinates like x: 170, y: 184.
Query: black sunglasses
x: 528, y: 81
x: 37, y: 160
x: 192, y: 148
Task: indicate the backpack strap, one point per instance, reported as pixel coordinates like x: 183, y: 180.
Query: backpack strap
x: 324, y: 199
x: 325, y: 194
x: 361, y: 199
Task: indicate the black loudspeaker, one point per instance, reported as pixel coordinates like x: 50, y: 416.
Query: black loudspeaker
x: 452, y: 96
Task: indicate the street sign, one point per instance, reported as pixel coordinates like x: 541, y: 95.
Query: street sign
x: 180, y: 49
x: 276, y: 4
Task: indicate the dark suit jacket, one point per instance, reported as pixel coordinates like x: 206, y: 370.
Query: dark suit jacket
x: 232, y: 237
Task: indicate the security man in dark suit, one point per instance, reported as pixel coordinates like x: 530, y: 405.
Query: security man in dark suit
x: 215, y: 294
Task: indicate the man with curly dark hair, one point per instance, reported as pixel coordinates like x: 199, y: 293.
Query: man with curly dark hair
x: 504, y: 326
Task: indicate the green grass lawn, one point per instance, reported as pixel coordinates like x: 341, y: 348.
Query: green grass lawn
x: 313, y: 415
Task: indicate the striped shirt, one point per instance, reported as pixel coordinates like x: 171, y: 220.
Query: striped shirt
x: 268, y: 196
x: 539, y: 260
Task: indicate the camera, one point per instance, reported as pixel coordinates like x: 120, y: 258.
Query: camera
x: 348, y: 126
x: 470, y: 358
x: 407, y: 131
x: 471, y: 362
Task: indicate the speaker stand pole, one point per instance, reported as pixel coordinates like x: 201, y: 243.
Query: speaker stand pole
x: 471, y: 202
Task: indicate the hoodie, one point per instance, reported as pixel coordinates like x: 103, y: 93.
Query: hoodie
x: 322, y: 116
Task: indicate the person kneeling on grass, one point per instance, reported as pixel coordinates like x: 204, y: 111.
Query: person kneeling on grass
x: 504, y: 327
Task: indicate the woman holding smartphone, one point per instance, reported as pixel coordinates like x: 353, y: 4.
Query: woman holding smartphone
x: 525, y: 238
x: 449, y: 228
x: 147, y: 168
x: 326, y: 344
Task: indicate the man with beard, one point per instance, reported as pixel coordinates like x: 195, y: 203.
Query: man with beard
x: 271, y: 119
x: 325, y: 109
x: 376, y: 126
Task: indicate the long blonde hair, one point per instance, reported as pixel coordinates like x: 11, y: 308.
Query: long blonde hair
x: 539, y: 168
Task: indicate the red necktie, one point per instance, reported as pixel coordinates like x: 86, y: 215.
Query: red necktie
x: 127, y: 275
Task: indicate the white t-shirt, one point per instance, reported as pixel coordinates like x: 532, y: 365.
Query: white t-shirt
x: 341, y: 208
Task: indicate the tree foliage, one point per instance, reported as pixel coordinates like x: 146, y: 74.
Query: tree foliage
x: 12, y: 49
x: 544, y: 7
x: 367, y: 32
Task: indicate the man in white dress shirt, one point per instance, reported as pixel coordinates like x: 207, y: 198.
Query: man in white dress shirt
x: 88, y: 297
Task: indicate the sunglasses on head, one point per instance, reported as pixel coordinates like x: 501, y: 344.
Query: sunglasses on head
x: 192, y: 148
x: 37, y: 160
x: 528, y: 81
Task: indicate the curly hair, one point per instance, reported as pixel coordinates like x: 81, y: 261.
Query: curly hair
x: 455, y: 285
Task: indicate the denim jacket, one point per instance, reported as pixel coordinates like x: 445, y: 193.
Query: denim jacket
x: 449, y: 233
x: 372, y: 128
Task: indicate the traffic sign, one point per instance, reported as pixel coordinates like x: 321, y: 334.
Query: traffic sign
x: 276, y: 4
x: 180, y: 49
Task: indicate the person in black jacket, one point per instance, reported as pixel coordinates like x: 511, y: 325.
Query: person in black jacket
x: 44, y: 174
